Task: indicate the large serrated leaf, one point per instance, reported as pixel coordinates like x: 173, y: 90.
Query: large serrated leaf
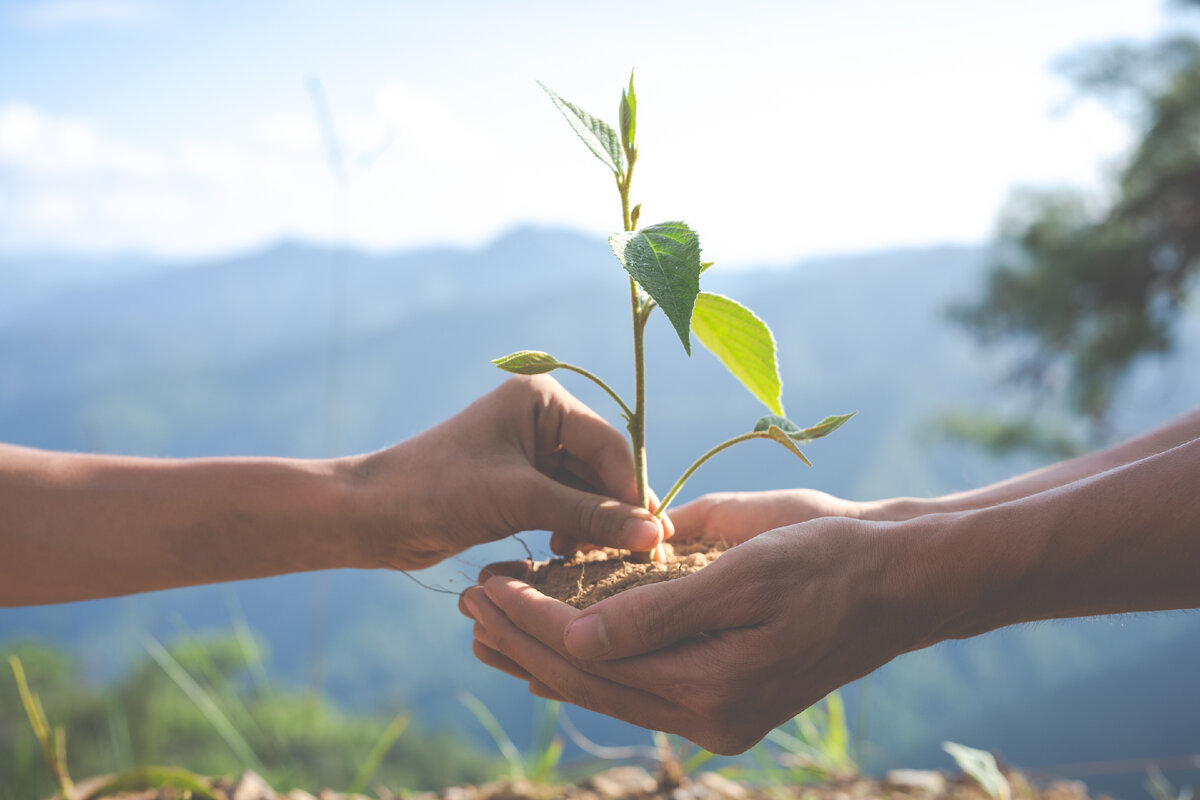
x: 743, y: 343
x: 801, y: 435
x: 597, y: 134
x: 665, y: 260
x: 527, y: 362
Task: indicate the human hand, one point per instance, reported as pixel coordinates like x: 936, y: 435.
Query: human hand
x: 724, y: 655
x: 526, y: 456
x: 736, y: 516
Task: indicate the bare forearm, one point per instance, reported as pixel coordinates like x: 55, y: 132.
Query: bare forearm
x: 77, y: 526
x: 1174, y: 433
x: 1123, y: 540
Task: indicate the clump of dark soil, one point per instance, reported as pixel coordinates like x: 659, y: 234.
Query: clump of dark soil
x: 589, y: 577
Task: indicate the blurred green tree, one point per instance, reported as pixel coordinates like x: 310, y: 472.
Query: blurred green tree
x: 1083, y: 285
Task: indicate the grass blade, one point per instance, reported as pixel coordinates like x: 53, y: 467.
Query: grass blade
x: 138, y: 780
x: 489, y: 723
x: 53, y: 746
x: 206, y: 705
x: 375, y: 758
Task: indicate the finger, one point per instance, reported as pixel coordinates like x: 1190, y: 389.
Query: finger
x: 655, y: 616
x: 568, y: 681
x: 539, y: 689
x: 590, y: 517
x: 691, y: 519
x: 547, y: 620
x: 576, y: 472
x: 588, y: 438
x: 668, y: 525
x: 509, y: 569
x: 498, y: 661
x: 665, y: 673
x: 463, y: 608
x: 563, y: 545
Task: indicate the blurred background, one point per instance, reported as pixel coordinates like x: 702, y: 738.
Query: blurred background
x: 303, y: 229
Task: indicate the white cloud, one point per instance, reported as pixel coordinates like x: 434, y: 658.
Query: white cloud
x: 825, y: 175
x: 77, y: 185
x: 51, y: 14
x: 36, y: 142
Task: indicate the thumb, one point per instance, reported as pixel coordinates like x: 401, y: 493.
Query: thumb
x: 648, y: 618
x: 593, y: 518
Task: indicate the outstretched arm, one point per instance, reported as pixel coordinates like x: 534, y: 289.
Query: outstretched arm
x: 526, y: 456
x: 726, y: 654
x: 1174, y: 433
x: 735, y: 516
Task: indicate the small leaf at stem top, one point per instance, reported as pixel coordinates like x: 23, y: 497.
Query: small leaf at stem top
x: 801, y: 435
x: 629, y: 117
x: 743, y: 343
x: 527, y: 362
x: 665, y: 261
x: 597, y: 134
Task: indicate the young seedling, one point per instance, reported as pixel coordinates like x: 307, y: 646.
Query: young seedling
x: 664, y: 266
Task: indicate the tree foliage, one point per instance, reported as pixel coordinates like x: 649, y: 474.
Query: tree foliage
x: 1083, y: 287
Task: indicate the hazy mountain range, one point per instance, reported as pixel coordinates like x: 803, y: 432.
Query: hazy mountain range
x: 309, y: 351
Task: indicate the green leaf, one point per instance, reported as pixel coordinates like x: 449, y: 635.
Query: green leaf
x: 629, y: 116
x: 527, y: 362
x: 665, y: 260
x: 600, y: 138
x: 779, y: 435
x: 798, y: 434
x: 743, y: 343
x: 143, y: 778
x: 980, y: 765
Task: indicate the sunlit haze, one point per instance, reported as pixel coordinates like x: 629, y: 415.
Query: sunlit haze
x: 778, y: 130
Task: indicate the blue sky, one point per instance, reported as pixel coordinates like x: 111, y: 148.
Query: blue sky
x: 778, y: 130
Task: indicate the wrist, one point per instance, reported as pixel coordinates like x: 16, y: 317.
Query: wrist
x: 974, y: 575
x: 387, y: 508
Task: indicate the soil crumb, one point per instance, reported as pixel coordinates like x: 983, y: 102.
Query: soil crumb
x: 588, y: 577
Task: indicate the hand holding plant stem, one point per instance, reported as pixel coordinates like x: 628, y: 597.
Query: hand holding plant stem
x: 663, y: 262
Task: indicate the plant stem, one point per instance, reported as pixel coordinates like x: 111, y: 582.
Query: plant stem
x: 745, y: 437
x: 637, y: 422
x: 611, y: 393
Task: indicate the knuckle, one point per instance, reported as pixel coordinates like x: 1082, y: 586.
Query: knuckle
x: 652, y: 622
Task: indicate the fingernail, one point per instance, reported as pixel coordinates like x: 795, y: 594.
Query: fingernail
x: 586, y: 637
x: 639, y: 533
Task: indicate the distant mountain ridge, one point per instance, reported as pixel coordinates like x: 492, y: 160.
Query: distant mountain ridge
x: 246, y: 355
